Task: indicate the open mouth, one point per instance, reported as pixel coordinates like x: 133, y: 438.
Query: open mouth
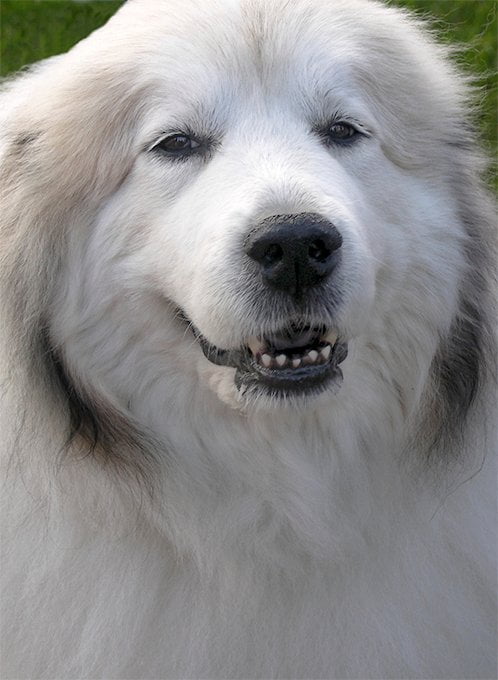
x: 295, y: 360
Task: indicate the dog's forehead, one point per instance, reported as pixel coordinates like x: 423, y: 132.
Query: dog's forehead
x: 282, y: 46
x: 264, y: 33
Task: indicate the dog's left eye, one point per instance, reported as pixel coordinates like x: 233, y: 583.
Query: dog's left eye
x: 176, y: 145
x: 341, y: 132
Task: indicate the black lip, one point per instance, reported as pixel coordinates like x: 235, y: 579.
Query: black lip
x: 305, y: 379
x: 234, y: 358
x: 250, y: 374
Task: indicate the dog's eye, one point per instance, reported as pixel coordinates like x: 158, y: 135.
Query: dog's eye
x: 176, y: 145
x: 341, y: 132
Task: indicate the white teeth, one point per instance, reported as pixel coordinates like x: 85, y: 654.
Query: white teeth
x: 267, y: 357
x: 331, y: 337
x: 266, y: 360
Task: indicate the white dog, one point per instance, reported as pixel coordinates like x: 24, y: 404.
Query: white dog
x: 247, y: 351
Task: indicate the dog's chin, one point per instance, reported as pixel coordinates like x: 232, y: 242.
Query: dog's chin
x: 289, y: 366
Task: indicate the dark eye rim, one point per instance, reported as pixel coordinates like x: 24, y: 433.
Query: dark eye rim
x: 350, y: 130
x: 327, y: 136
x: 196, y: 145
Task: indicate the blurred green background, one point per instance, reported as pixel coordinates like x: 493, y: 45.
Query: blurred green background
x: 34, y: 29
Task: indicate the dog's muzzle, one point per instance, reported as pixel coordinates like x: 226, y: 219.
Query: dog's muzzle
x: 292, y: 257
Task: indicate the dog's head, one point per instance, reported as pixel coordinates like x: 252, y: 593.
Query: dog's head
x: 259, y: 197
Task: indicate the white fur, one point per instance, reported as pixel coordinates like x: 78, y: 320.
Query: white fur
x: 303, y: 540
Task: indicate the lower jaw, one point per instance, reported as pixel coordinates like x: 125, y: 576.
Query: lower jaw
x: 254, y: 385
x: 252, y: 380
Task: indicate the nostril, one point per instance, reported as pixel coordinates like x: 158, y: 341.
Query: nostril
x: 273, y: 254
x: 318, y: 251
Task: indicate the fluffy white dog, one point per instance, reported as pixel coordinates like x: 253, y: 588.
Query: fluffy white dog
x: 247, y: 351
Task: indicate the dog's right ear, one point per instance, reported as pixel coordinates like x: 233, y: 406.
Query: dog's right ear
x: 70, y: 138
x: 66, y: 142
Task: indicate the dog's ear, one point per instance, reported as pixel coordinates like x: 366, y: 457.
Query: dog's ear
x: 67, y: 134
x: 66, y: 143
x: 68, y: 140
x: 465, y: 369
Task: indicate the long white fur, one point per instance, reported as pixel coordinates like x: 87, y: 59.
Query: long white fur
x: 307, y: 540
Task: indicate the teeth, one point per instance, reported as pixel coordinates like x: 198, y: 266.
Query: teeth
x: 307, y: 360
x: 331, y: 337
x: 265, y: 353
x: 254, y: 345
x: 266, y: 360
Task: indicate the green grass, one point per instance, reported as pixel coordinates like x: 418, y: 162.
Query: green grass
x: 33, y: 29
x: 471, y: 25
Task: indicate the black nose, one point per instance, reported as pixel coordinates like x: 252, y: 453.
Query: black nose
x: 295, y: 252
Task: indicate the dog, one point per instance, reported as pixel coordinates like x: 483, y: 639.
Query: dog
x: 248, y: 296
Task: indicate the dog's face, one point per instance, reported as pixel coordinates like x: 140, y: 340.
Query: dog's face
x: 283, y: 208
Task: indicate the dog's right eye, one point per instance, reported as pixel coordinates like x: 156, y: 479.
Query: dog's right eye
x: 176, y: 145
x: 341, y: 132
